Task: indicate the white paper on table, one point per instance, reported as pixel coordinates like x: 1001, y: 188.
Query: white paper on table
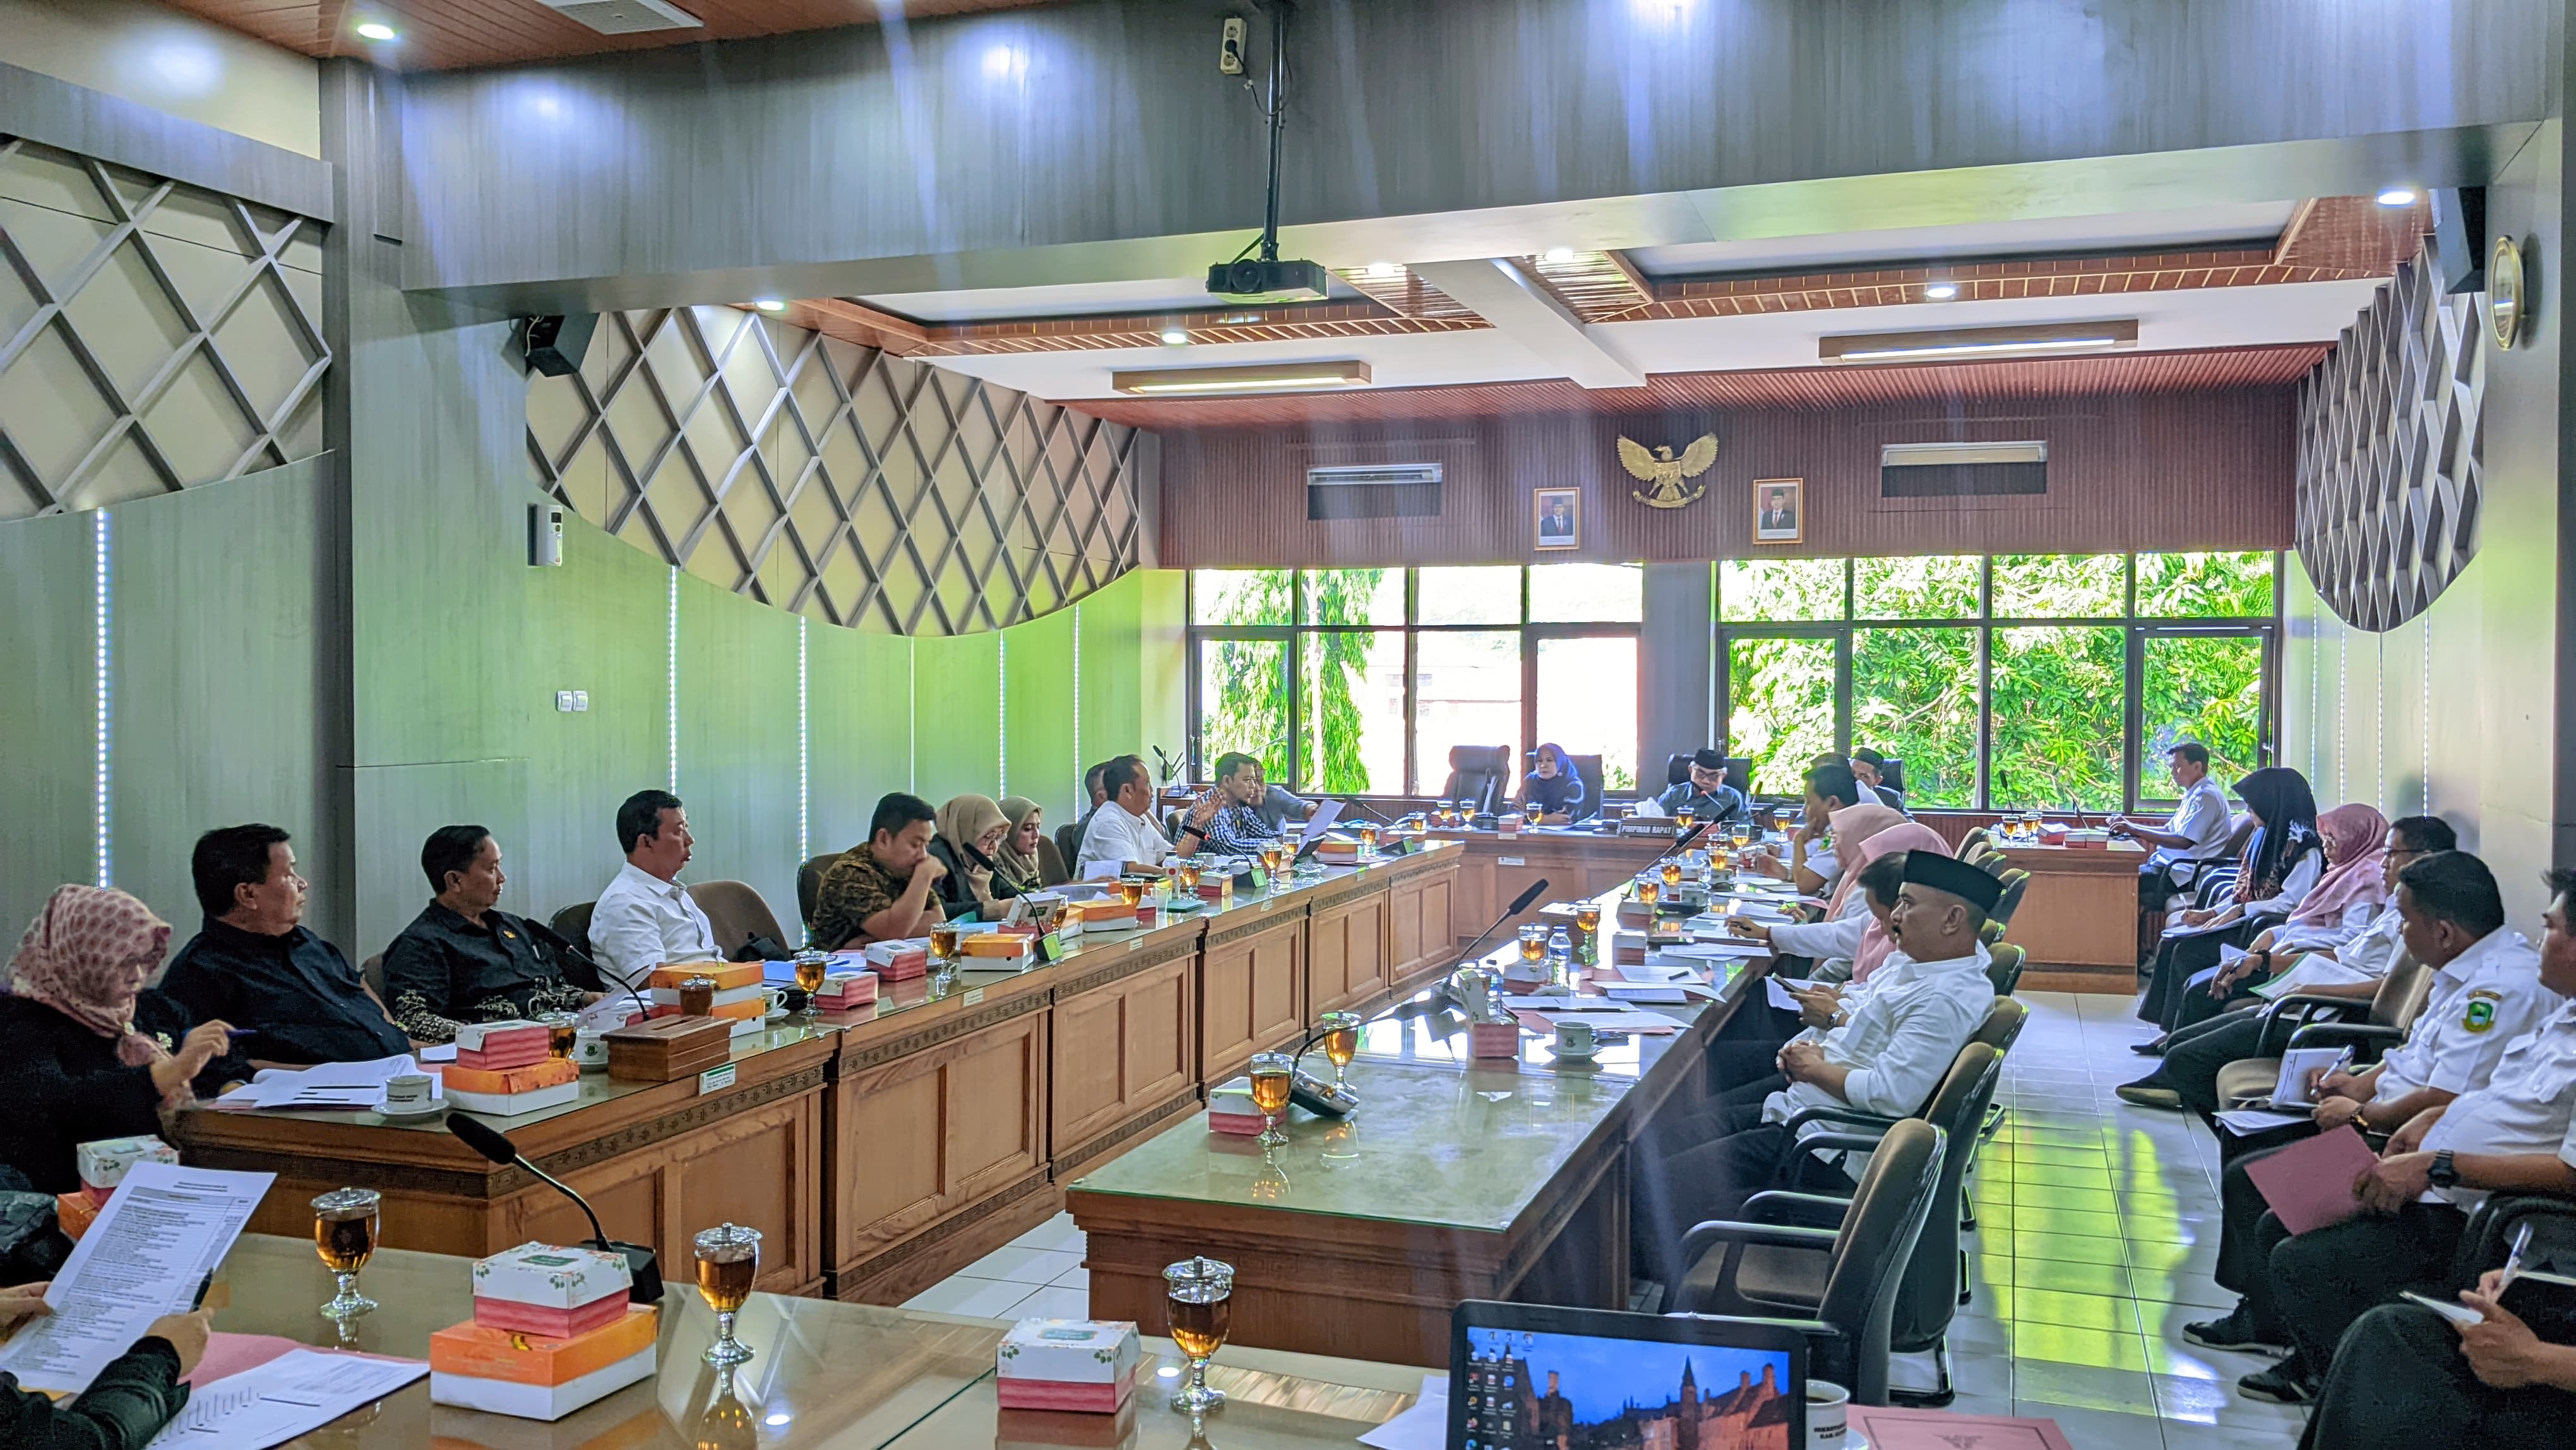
x: 1320, y: 822
x: 1659, y: 974
x: 442, y: 1052
x: 2246, y: 1122
x: 1714, y: 951
x: 2296, y: 1064
x: 1621, y: 1019
x: 161, y: 1233
x: 1423, y: 1425
x: 1553, y: 1005
x: 1644, y: 996
x: 1103, y: 870
x: 294, y: 1394
x: 328, y: 1086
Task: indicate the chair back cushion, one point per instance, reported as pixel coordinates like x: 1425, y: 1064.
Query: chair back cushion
x: 2401, y: 993
x: 1051, y: 870
x: 573, y: 925
x: 2004, y: 962
x: 738, y: 914
x: 1876, y: 1242
x: 1929, y: 1295
x: 1587, y: 768
x: 809, y: 884
x: 2003, y: 1023
x: 1676, y: 769
x: 1478, y: 775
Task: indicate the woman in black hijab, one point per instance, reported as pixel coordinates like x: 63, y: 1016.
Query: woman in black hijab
x: 2282, y: 859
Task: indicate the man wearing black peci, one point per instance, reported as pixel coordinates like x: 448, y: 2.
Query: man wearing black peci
x: 254, y: 964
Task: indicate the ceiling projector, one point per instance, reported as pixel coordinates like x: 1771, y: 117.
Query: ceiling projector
x: 1268, y: 279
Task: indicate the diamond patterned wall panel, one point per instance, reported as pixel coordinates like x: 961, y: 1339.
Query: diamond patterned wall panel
x: 835, y: 480
x: 153, y: 335
x: 2390, y: 433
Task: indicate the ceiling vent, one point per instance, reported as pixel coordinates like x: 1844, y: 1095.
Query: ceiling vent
x: 624, y: 17
x: 1374, y: 491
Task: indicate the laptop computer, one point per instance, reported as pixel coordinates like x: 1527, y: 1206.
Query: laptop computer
x: 1526, y: 1374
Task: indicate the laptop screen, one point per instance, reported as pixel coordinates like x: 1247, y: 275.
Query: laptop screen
x: 1540, y: 1388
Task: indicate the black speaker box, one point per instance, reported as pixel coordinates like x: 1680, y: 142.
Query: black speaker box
x: 554, y: 345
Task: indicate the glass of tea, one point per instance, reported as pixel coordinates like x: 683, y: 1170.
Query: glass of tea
x: 943, y: 946
x: 1341, y: 1044
x: 561, y: 1028
x: 698, y: 997
x: 1189, y: 876
x: 1368, y: 838
x: 1274, y: 859
x: 1130, y: 890
x: 344, y: 1234
x: 728, y: 1260
x: 1649, y: 890
x: 1198, y: 1294
x: 1270, y: 1075
x: 1533, y: 941
x: 1741, y: 833
x: 1672, y: 874
x: 811, y: 965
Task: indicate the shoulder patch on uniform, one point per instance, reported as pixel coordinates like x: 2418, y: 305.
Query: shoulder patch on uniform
x: 2480, y: 1015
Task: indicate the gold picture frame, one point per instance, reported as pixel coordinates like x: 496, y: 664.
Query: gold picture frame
x: 1779, y: 511
x: 1556, y: 518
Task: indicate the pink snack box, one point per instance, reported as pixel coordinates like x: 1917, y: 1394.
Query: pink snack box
x: 547, y: 1323
x: 1230, y: 1109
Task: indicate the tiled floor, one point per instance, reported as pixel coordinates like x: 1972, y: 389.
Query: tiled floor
x: 2096, y: 1227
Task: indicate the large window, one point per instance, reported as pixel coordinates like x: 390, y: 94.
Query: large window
x: 2009, y: 682
x: 1365, y: 679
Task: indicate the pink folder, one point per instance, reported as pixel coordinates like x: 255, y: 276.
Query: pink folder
x: 2309, y: 1183
x: 1896, y: 1429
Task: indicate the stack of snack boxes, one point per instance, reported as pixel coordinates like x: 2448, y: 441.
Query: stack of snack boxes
x: 1084, y: 1365
x: 899, y: 961
x: 102, y: 1164
x: 552, y: 1331
x: 738, y: 991
x: 502, y: 1068
x: 847, y: 992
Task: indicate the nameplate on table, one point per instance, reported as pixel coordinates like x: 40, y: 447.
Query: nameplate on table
x: 1510, y: 861
x: 974, y: 995
x: 717, y: 1079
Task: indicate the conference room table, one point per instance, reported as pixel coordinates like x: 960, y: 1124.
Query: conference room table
x: 823, y: 1374
x: 1576, y: 863
x: 2079, y: 916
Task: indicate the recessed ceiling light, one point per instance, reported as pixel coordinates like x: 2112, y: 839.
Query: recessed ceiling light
x: 1385, y: 269
x: 770, y: 304
x: 377, y: 30
x: 2397, y: 196
x: 1270, y: 378
x: 1557, y: 256
x: 1941, y: 291
x: 1175, y: 336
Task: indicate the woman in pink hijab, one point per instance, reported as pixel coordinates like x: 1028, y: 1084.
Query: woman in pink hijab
x: 85, y: 1053
x: 2343, y: 901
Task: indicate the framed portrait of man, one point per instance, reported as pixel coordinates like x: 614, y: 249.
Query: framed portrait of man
x: 1556, y: 518
x: 1779, y: 510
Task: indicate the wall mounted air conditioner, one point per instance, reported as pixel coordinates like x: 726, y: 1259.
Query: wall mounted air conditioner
x: 1962, y: 470
x: 1374, y: 491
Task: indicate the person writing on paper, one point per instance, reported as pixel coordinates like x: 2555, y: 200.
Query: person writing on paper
x: 1226, y: 818
x: 1706, y: 794
x: 1872, y: 832
x: 645, y: 918
x: 2516, y: 1133
x: 137, y: 1393
x: 2351, y: 969
x: 463, y: 959
x: 1123, y: 836
x: 1016, y: 867
x: 85, y: 1052
x: 1884, y: 1055
x: 884, y: 890
x: 254, y: 962
x: 970, y: 830
x: 2487, y: 990
x: 2402, y: 1367
x: 1829, y: 991
x: 2345, y: 898
x: 1812, y: 863
x: 1552, y: 793
x: 2282, y: 861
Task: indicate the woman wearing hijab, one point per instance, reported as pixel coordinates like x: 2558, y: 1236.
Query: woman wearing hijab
x: 1552, y: 793
x: 971, y: 828
x: 1015, y: 860
x: 2282, y: 862
x: 78, y: 1061
x: 2345, y: 898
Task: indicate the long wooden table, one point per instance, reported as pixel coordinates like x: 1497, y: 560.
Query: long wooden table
x: 2079, y: 916
x: 877, y: 1155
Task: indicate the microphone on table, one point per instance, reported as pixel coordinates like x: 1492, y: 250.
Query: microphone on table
x: 642, y: 1268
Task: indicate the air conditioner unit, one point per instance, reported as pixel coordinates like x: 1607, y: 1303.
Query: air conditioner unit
x: 1962, y: 470
x: 1373, y: 491
x: 624, y: 17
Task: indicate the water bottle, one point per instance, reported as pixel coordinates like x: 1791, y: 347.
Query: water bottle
x: 1560, y: 955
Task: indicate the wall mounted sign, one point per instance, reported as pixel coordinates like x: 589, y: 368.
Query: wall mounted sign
x: 1779, y: 510
x: 1556, y: 518
x: 1663, y: 474
x: 2505, y: 306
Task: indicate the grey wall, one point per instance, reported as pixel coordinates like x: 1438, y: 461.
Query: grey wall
x: 1675, y: 646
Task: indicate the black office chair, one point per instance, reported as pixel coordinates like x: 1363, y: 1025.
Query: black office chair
x: 1892, y: 771
x: 1676, y: 770
x: 2016, y: 884
x: 1480, y: 776
x: 1587, y: 768
x: 573, y: 925
x: 1739, y: 774
x: 809, y: 883
x: 1068, y: 842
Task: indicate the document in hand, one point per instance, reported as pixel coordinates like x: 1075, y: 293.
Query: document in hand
x: 2297, y: 1066
x: 163, y: 1232
x: 2309, y: 1183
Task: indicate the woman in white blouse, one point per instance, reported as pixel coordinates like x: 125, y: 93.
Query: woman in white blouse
x: 2348, y: 896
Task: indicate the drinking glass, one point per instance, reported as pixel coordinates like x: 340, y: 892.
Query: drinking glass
x: 811, y: 965
x: 728, y: 1260
x: 1274, y: 859
x: 698, y: 997
x: 561, y: 1028
x: 1741, y: 833
x: 1649, y: 891
x: 1270, y: 1076
x: 1198, y: 1294
x: 1131, y: 890
x: 1368, y: 838
x: 1341, y: 1044
x: 1672, y: 874
x: 943, y: 946
x: 344, y: 1233
x: 1587, y: 927
x: 1533, y: 942
x: 1189, y: 874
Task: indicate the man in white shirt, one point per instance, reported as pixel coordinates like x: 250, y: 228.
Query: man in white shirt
x: 2197, y: 831
x: 2516, y: 1133
x: 644, y: 918
x: 1122, y: 832
x: 1885, y: 1054
x: 1829, y: 788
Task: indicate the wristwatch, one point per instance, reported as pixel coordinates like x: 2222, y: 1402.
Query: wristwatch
x: 2443, y: 1174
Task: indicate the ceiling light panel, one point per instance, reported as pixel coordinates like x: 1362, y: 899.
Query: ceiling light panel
x: 1275, y: 378
x: 1974, y: 342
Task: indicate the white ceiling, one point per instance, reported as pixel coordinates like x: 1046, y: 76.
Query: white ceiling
x: 1908, y: 246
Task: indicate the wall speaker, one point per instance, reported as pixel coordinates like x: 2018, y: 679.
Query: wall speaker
x: 2460, y: 228
x: 545, y: 535
x: 554, y: 345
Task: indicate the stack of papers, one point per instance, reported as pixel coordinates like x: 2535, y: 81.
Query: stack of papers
x: 294, y: 1394
x: 331, y: 1086
x: 1424, y: 1426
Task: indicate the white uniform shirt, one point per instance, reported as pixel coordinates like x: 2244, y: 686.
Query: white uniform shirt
x: 2366, y: 957
x: 1838, y: 936
x: 2202, y: 816
x: 2294, y: 887
x: 2528, y: 1106
x: 1119, y: 835
x: 643, y: 921
x: 2482, y: 1000
x: 1903, y: 1033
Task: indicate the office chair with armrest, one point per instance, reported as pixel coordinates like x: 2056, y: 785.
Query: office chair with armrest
x: 1892, y: 771
x: 1867, y: 1240
x: 1478, y: 775
x: 2491, y: 1230
x: 809, y: 884
x: 573, y: 925
x: 2002, y: 1027
x: 2016, y: 883
x: 2004, y: 964
x: 1068, y: 842
x: 1587, y: 768
x: 1676, y: 770
x: 2304, y: 1019
x: 1051, y: 868
x: 736, y: 912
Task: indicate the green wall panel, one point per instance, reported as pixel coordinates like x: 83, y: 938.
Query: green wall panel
x: 859, y: 707
x: 1037, y: 710
x: 738, y: 732
x: 403, y: 804
x: 224, y: 651
x: 1107, y: 712
x: 957, y: 720
x: 47, y: 720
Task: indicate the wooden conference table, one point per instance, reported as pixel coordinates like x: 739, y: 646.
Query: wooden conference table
x: 1457, y: 1179
x: 2079, y: 916
x: 878, y: 1154
x: 823, y: 1374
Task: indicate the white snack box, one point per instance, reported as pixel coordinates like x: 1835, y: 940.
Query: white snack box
x: 103, y: 1162
x: 539, y: 1402
x: 1069, y: 1351
x: 551, y: 1277
x: 511, y: 1105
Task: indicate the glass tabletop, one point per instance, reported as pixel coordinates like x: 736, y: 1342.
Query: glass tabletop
x: 1275, y: 1400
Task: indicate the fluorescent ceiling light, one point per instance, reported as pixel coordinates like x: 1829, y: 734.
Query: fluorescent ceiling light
x: 1941, y: 291
x: 377, y: 30
x: 1557, y: 256
x: 1175, y: 337
x: 1279, y: 377
x: 1384, y: 269
x: 1958, y: 342
x: 770, y: 304
x: 2397, y: 196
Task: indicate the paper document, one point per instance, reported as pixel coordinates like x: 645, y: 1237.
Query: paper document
x: 329, y: 1086
x: 1103, y: 870
x: 1620, y: 1020
x: 294, y: 1394
x: 1710, y: 951
x: 1780, y: 996
x: 442, y: 1052
x: 2297, y: 1065
x: 1424, y: 1425
x: 1321, y: 821
x: 2309, y: 1183
x: 2246, y: 1122
x: 163, y: 1232
x: 1651, y: 996
x: 1559, y: 1004
x: 1661, y: 973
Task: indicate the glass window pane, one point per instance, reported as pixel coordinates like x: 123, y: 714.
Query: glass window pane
x: 1467, y: 691
x: 1238, y: 596
x: 1780, y: 695
x: 1780, y: 589
x: 1914, y: 698
x: 2059, y: 586
x: 2207, y: 688
x: 1940, y: 586
x: 1469, y: 596
x: 1243, y: 702
x: 1587, y: 702
x: 2204, y: 586
x: 1355, y: 596
x: 1352, y: 706
x: 1587, y: 593
x: 2057, y: 714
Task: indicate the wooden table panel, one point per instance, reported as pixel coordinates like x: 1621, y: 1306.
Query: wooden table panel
x: 2080, y: 910
x: 1125, y: 1058
x: 1346, y: 954
x: 1420, y: 935
x: 1252, y: 991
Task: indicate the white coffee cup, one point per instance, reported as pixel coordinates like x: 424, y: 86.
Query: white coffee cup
x: 408, y: 1093
x: 1576, y: 1038
x: 774, y: 999
x: 590, y: 1048
x: 1828, y: 1415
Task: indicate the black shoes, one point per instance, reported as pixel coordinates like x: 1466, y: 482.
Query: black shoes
x: 2286, y: 1383
x: 2154, y: 1047
x: 2146, y: 1092
x: 2236, y: 1331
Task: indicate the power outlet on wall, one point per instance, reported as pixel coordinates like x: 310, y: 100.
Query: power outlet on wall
x: 572, y: 701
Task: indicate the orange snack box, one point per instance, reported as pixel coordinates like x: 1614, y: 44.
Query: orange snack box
x: 739, y: 1011
x: 498, y: 1354
x: 553, y: 1072
x: 725, y: 975
x: 74, y: 1213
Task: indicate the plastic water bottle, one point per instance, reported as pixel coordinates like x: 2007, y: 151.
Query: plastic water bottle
x: 1560, y: 955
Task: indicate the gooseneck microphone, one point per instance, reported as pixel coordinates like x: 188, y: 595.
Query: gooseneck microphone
x: 641, y: 1266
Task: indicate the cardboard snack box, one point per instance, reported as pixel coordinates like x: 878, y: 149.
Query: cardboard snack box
x: 726, y: 975
x: 103, y: 1161
x: 499, y: 1037
x: 551, y: 1276
x: 553, y: 1072
x: 1086, y: 1365
x: 511, y: 1105
x: 516, y: 1318
x: 480, y: 1352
